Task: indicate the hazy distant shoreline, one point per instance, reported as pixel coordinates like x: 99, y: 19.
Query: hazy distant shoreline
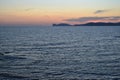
x: 89, y: 24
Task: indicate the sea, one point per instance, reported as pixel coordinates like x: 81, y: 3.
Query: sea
x: 60, y: 53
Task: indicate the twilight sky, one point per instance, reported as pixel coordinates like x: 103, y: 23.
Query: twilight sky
x: 46, y: 12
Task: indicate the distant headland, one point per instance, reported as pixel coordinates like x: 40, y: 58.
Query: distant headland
x: 90, y: 24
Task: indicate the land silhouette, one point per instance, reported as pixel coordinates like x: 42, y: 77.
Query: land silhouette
x: 90, y: 24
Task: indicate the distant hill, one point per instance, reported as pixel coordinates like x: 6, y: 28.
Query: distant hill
x: 62, y: 24
x: 90, y: 24
x: 98, y: 24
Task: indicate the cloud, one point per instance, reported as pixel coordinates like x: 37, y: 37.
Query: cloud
x: 29, y: 9
x: 100, y: 11
x: 89, y: 19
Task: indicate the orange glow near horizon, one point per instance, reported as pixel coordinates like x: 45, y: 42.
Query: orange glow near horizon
x: 42, y: 18
x: 45, y: 12
x: 37, y: 17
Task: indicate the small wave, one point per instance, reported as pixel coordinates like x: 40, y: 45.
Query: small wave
x: 104, y: 74
x: 107, y: 54
x: 1, y: 54
x: 108, y: 61
x: 7, y: 75
x: 9, y: 57
x: 117, y: 36
x: 56, y: 43
x: 54, y: 73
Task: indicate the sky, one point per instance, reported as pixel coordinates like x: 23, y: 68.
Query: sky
x: 47, y: 12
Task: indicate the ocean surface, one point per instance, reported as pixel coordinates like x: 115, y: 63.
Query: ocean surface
x: 60, y: 53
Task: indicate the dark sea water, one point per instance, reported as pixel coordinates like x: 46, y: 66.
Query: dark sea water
x: 60, y: 53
